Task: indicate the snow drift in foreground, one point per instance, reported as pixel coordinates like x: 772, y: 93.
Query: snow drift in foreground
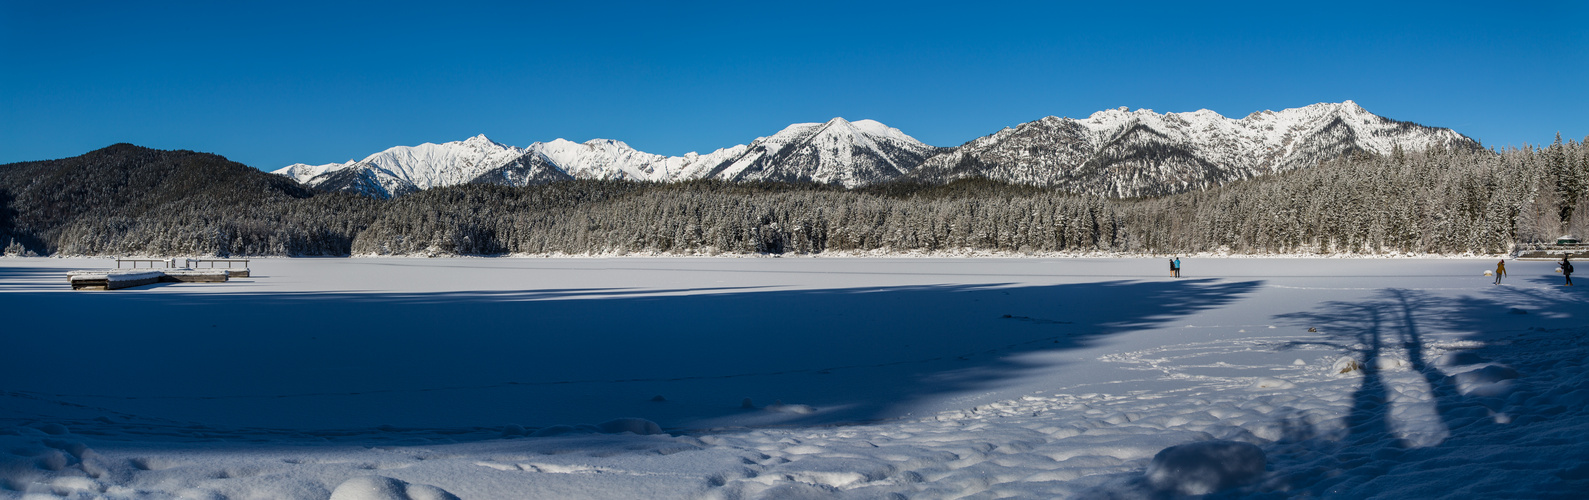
x: 798, y: 378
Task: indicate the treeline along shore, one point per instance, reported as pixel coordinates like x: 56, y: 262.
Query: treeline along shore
x: 129, y: 200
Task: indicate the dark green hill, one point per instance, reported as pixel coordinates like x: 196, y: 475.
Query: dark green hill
x: 130, y: 199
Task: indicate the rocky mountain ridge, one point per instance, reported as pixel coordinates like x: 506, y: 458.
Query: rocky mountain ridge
x: 1116, y: 153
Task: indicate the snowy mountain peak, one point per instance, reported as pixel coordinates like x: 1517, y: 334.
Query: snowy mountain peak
x: 840, y: 126
x: 796, y: 130
x: 610, y: 143
x: 1116, y: 116
x: 877, y: 129
x: 482, y: 141
x: 1114, y: 152
x: 614, y: 159
x: 302, y: 172
x: 404, y: 169
x: 835, y: 152
x: 1118, y: 152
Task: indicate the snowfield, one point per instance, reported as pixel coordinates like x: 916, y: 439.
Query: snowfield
x: 797, y: 378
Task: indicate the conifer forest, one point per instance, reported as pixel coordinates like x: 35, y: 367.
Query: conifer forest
x: 128, y: 200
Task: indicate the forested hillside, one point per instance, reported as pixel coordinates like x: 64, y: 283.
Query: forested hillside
x: 1434, y: 202
x: 129, y: 200
x: 125, y: 199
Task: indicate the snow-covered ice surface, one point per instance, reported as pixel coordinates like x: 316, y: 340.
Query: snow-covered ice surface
x: 796, y: 378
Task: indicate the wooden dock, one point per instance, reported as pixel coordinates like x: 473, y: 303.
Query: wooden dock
x: 240, y: 272
x: 112, y: 279
x: 1550, y: 251
x: 195, y: 275
x: 116, y: 279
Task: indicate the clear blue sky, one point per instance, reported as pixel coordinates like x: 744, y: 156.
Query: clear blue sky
x: 274, y: 83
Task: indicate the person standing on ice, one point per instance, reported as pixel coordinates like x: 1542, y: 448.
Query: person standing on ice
x: 1176, y: 266
x: 1566, y: 269
x: 1500, y: 270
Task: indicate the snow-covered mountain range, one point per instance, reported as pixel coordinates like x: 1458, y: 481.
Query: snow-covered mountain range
x: 1114, y: 152
x: 1125, y: 153
x: 836, y: 152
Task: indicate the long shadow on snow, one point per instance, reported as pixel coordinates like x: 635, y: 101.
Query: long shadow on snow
x: 1497, y: 433
x: 31, y: 275
x: 1555, y: 280
x: 438, y: 360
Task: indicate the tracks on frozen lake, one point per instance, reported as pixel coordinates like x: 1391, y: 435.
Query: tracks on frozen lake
x: 1460, y: 387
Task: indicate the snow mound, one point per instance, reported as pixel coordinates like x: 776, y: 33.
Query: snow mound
x: 1487, y: 375
x: 1265, y: 383
x: 1346, y: 365
x: 385, y: 488
x: 1490, y: 381
x: 636, y: 425
x: 1205, y: 467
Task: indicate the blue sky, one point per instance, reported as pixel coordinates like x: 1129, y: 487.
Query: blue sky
x: 273, y: 83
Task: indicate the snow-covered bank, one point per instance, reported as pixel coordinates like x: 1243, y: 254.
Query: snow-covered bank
x: 926, y: 378
x: 959, y: 253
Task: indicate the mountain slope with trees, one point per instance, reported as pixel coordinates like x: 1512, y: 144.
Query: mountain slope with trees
x: 128, y: 200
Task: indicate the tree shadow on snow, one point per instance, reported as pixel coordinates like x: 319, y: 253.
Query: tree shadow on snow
x: 536, y: 358
x: 1488, y: 412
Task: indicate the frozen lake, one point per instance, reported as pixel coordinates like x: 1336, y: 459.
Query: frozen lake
x: 334, y: 343
x: 460, y: 349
